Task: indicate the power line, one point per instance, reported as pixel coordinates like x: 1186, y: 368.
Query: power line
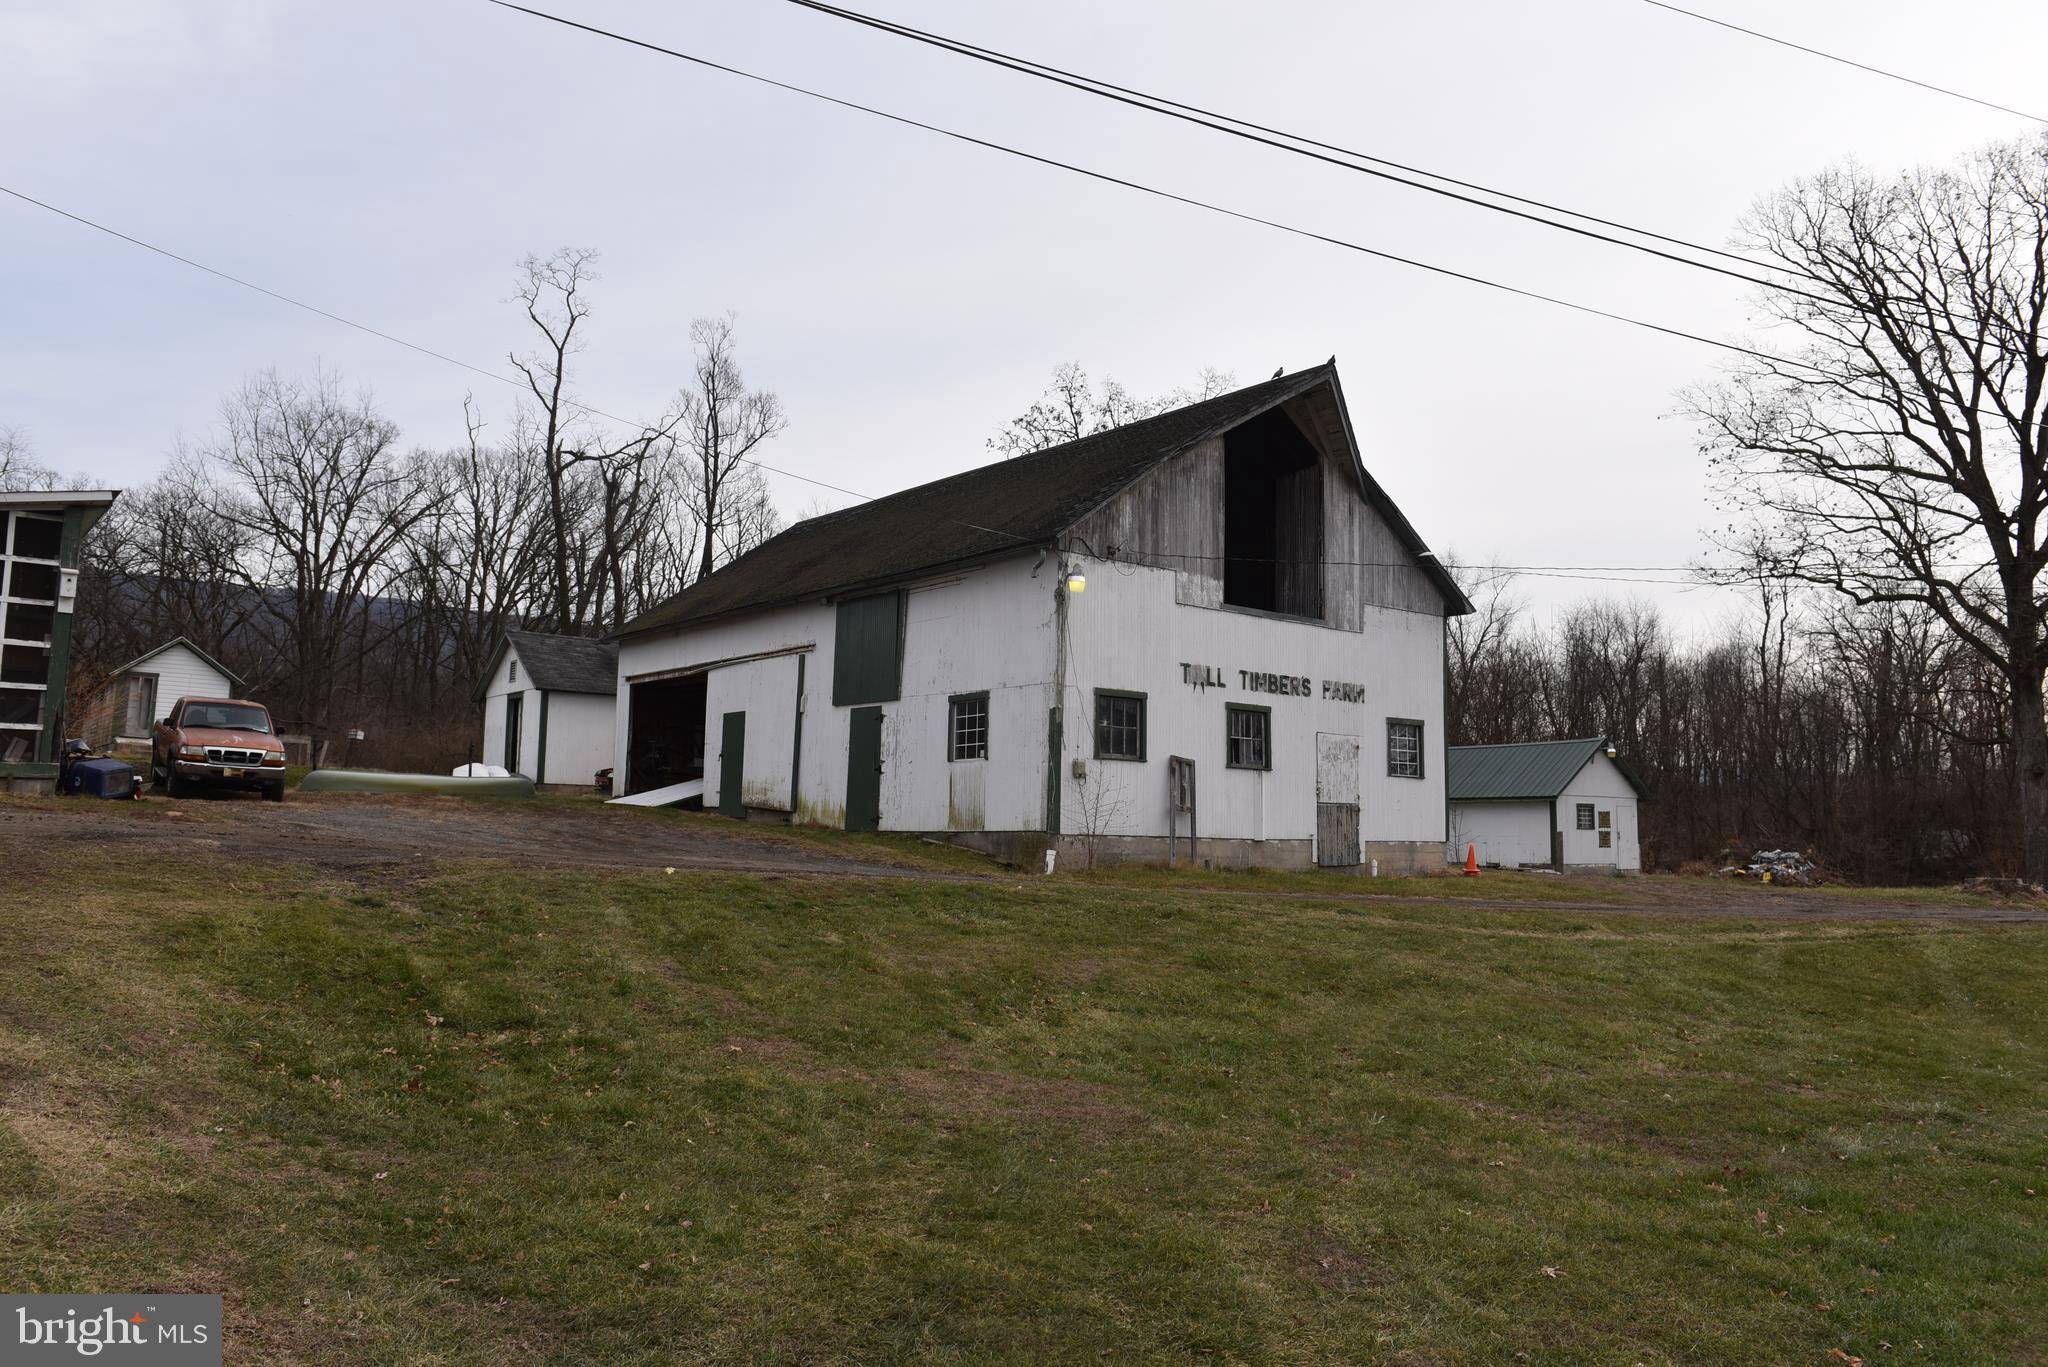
x: 365, y: 328
x: 1328, y: 153
x: 1845, y: 61
x: 1142, y: 188
x: 1607, y: 573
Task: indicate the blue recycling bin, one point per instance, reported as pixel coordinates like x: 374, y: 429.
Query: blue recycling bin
x: 108, y: 778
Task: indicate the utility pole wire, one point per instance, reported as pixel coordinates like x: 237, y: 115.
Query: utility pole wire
x: 1331, y: 154
x: 1205, y: 205
x: 1109, y: 179
x: 1547, y: 571
x: 1845, y: 61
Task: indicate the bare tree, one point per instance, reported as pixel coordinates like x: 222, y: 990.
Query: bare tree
x: 1900, y: 453
x: 554, y: 291
x: 723, y: 423
x: 1073, y: 407
x: 19, y: 468
x: 311, y: 477
x: 1099, y: 806
x: 163, y: 565
x: 1479, y: 638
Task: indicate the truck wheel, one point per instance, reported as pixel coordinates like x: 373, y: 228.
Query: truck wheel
x: 274, y: 792
x: 173, y: 786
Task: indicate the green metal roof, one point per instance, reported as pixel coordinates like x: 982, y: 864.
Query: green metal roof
x: 1538, y: 769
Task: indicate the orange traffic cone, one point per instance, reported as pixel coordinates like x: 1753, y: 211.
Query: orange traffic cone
x: 1471, y: 861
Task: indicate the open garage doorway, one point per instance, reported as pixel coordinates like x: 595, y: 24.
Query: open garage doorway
x: 665, y: 733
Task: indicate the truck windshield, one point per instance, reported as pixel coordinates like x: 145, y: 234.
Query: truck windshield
x: 226, y: 716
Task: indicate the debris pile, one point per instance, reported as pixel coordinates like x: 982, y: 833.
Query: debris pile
x: 2001, y: 887
x: 1776, y: 866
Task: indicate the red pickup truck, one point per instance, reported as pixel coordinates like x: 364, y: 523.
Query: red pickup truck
x: 217, y: 742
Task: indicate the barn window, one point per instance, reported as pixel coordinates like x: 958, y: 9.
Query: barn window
x: 1585, y: 815
x: 1404, y: 749
x: 1606, y: 821
x: 1607, y: 840
x: 1119, y: 724
x: 512, y: 676
x: 968, y: 732
x: 1247, y: 736
x: 1272, y: 518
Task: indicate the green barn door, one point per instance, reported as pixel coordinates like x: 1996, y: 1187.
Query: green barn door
x: 864, y: 770
x: 732, y: 760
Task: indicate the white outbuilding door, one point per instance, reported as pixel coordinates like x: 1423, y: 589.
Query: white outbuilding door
x: 1336, y: 799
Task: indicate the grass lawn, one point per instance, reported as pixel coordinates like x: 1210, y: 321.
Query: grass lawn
x: 505, y: 1116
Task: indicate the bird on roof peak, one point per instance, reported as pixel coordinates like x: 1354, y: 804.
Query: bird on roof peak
x: 1278, y: 373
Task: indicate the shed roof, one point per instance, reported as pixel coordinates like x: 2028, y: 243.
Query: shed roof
x: 1533, y: 769
x: 215, y: 665
x: 1009, y: 506
x: 93, y: 502
x: 561, y: 664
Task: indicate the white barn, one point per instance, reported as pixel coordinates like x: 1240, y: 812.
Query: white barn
x: 1209, y: 624
x: 548, y: 707
x: 143, y: 691
x: 1567, y: 804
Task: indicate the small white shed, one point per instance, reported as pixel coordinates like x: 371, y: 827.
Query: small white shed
x: 1568, y: 804
x: 549, y: 705
x: 142, y: 692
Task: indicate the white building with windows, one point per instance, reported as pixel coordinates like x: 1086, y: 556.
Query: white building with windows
x: 1565, y: 804
x: 1209, y: 629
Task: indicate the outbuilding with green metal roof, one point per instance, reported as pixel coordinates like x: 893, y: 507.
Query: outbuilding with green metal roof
x: 1565, y: 804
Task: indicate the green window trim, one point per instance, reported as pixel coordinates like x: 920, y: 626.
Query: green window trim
x: 867, y: 650
x: 1230, y: 709
x: 1120, y: 695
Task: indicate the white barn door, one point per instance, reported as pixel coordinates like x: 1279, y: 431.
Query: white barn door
x: 1336, y: 799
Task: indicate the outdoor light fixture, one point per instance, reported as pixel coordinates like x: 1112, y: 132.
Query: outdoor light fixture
x: 1077, y: 582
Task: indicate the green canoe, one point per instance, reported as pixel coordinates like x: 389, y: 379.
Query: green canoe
x: 376, y: 781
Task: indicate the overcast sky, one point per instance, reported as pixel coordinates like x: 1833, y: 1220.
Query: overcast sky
x: 905, y: 294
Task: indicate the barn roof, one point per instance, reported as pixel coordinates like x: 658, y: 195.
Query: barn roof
x: 1535, y: 769
x: 560, y: 664
x: 1012, y: 505
x: 186, y: 642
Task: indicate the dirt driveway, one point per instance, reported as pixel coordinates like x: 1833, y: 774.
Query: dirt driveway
x: 371, y: 836
x: 364, y: 838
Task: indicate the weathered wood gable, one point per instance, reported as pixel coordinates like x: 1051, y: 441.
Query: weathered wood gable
x: 1172, y: 517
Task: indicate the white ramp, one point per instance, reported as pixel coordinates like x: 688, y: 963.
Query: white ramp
x: 662, y: 797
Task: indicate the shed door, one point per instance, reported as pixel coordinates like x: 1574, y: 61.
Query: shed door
x: 141, y: 705
x: 1337, y: 841
x: 515, y: 703
x: 864, y: 770
x: 732, y: 765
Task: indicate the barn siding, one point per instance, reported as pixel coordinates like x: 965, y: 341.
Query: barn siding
x: 1608, y: 789
x: 1131, y: 634
x: 579, y: 737
x: 1506, y: 833
x: 1172, y: 517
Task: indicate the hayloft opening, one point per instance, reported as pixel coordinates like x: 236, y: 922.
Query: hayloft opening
x: 1272, y: 518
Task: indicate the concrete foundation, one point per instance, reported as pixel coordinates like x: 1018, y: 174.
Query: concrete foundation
x: 1026, y: 849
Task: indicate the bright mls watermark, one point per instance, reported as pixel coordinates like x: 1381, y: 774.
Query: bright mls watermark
x: 169, y: 1331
